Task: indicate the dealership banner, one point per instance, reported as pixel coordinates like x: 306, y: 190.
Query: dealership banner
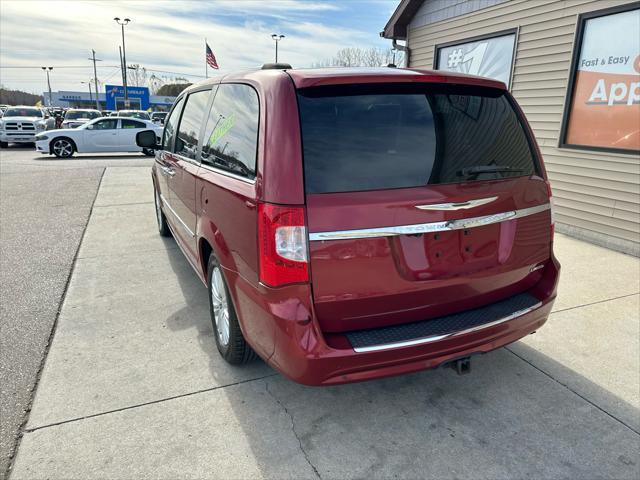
x: 605, y: 109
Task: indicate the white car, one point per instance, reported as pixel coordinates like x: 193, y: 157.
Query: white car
x: 139, y: 114
x: 21, y: 124
x: 76, y: 117
x: 107, y: 134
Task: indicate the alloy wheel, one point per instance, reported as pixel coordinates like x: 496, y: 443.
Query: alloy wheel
x: 220, y: 306
x: 62, y: 148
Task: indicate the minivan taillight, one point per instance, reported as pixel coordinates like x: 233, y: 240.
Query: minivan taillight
x: 282, y: 239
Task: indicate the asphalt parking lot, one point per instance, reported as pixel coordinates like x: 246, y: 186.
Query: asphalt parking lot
x: 45, y: 204
x: 133, y: 386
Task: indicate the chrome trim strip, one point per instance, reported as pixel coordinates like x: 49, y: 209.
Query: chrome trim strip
x: 250, y: 181
x: 460, y: 224
x: 457, y: 205
x: 173, y: 212
x: 420, y: 341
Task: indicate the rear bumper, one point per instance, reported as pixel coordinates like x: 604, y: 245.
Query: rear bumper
x: 344, y: 366
x: 301, y: 351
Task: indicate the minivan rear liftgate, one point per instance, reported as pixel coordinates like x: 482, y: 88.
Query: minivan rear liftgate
x: 428, y: 211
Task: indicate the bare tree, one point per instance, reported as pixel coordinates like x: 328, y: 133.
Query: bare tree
x: 137, y: 75
x: 155, y: 83
x: 361, y: 57
x: 18, y: 97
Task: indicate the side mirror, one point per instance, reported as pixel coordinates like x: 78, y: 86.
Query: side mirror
x: 147, y: 139
x: 90, y: 127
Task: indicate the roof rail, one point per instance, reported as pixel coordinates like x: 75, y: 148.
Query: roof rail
x: 276, y: 66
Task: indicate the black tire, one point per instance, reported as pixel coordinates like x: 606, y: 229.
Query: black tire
x: 63, y: 147
x: 163, y: 227
x: 236, y: 351
x: 148, y: 152
x: 4, y: 145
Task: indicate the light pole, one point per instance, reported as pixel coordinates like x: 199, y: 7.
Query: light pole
x: 276, y: 38
x: 88, y: 83
x: 47, y: 70
x: 124, y: 60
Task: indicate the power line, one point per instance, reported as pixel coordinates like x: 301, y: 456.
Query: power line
x: 174, y: 73
x: 60, y: 66
x: 107, y: 66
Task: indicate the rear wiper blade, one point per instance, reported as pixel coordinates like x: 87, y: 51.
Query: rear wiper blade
x: 465, y: 172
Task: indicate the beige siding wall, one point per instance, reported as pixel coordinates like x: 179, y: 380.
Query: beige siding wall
x: 597, y: 194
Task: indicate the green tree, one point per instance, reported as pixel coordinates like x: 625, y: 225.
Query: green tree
x: 172, y: 89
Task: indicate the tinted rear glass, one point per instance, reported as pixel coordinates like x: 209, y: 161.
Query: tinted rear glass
x: 383, y: 137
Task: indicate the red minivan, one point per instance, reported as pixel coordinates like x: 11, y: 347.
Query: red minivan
x: 358, y: 223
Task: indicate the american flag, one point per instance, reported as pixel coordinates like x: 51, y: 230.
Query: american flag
x: 211, y: 58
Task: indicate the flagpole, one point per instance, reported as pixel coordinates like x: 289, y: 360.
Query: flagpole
x: 206, y: 68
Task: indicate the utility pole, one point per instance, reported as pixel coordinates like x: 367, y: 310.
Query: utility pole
x: 89, y: 84
x: 124, y: 60
x: 47, y: 70
x: 95, y: 76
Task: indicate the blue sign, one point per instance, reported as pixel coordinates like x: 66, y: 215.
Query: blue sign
x: 138, y: 97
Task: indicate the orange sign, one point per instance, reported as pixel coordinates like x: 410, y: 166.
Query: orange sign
x: 605, y: 109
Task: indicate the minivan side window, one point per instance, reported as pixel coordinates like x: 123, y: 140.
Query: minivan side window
x: 170, y: 125
x: 189, y: 129
x: 231, y: 135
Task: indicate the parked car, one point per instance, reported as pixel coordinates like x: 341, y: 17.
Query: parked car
x: 96, y: 136
x: 76, y: 117
x: 352, y: 224
x: 158, y: 117
x: 141, y: 114
x: 20, y: 125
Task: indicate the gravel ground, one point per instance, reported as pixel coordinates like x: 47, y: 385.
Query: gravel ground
x: 44, y: 208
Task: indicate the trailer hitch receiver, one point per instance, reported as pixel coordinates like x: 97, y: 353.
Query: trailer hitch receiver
x: 462, y: 366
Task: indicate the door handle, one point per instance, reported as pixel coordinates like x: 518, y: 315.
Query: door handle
x: 167, y: 172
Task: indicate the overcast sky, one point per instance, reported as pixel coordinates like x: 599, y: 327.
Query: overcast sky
x: 169, y: 36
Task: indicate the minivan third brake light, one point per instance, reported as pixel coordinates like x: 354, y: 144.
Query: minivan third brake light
x: 283, y: 245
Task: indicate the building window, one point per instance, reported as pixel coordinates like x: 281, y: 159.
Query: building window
x: 602, y: 109
x: 488, y: 56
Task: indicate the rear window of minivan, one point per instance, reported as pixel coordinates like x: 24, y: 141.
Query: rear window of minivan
x: 374, y: 137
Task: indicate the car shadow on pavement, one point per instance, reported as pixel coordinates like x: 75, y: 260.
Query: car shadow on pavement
x: 509, y: 418
x: 506, y: 419
x: 195, y: 314
x: 86, y: 156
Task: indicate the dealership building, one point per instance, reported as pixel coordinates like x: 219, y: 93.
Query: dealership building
x: 574, y: 67
x: 112, y: 99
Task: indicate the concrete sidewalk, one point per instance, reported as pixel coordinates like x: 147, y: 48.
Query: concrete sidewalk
x: 133, y: 386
